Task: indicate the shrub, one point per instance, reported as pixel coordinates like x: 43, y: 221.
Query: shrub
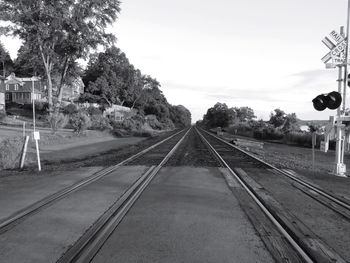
x: 70, y: 109
x: 98, y: 122
x: 302, y: 139
x: 79, y: 122
x: 119, y: 132
x: 240, y: 128
x: 41, y: 106
x: 91, y: 110
x: 2, y: 115
x: 153, y: 122
x: 10, y: 153
x: 57, y: 121
x: 143, y: 133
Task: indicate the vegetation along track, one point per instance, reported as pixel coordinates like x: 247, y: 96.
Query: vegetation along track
x: 158, y: 149
x: 315, y: 222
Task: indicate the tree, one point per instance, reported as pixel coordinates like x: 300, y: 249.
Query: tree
x: 6, y: 61
x: 180, y: 116
x: 111, y: 78
x: 277, y: 119
x: 217, y: 116
x: 244, y: 114
x: 291, y: 123
x: 283, y: 121
x: 28, y: 62
x: 62, y: 31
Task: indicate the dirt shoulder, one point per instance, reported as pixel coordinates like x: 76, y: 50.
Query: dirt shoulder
x: 96, y: 153
x: 299, y: 159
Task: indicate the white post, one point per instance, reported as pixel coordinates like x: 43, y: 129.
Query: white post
x: 313, y: 150
x: 24, y: 151
x: 339, y: 166
x: 37, y: 154
x: 346, y: 57
x: 33, y: 100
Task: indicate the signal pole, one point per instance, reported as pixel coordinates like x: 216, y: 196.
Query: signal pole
x: 340, y: 167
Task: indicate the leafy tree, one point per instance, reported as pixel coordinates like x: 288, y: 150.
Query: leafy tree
x: 28, y: 62
x: 244, y: 114
x: 180, y: 116
x: 62, y: 31
x: 278, y: 118
x: 291, y: 123
x: 217, y: 116
x: 314, y: 127
x: 283, y: 121
x: 6, y: 62
x: 110, y: 78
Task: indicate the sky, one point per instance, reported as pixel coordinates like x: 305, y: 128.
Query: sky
x: 261, y: 54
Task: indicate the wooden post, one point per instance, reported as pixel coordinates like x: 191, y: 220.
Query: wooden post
x: 36, y: 137
x: 24, y: 151
x: 37, y: 154
x: 313, y: 150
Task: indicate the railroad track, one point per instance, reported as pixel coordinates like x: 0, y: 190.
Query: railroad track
x: 89, y: 244
x: 271, y: 189
x: 19, y: 216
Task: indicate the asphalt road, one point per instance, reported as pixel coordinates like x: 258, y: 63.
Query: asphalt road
x: 187, y: 214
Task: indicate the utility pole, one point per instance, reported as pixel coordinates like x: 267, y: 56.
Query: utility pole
x: 33, y: 103
x: 339, y: 54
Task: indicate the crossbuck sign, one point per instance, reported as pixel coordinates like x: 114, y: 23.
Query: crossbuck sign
x: 337, y: 49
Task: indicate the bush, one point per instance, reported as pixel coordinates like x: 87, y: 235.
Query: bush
x: 153, y: 122
x: 41, y: 106
x: 91, y: 110
x: 57, y: 121
x: 302, y: 139
x: 240, y: 128
x: 98, y: 122
x: 119, y: 132
x: 10, y: 153
x: 70, y: 109
x: 143, y: 133
x: 2, y: 115
x: 79, y: 122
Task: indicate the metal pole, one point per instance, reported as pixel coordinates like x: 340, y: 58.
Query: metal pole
x: 33, y: 104
x: 338, y: 149
x: 346, y: 55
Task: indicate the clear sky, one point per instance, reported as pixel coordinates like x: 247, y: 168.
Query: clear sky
x: 262, y: 54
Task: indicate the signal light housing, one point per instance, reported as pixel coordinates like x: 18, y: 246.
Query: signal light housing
x: 331, y: 101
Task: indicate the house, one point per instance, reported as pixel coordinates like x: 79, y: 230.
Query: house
x: 2, y: 93
x: 20, y: 90
x: 117, y: 112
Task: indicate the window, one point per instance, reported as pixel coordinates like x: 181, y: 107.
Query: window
x: 7, y: 86
x: 7, y: 96
x: 16, y: 86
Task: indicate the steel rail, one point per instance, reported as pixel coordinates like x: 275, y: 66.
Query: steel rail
x: 6, y: 223
x: 294, y: 178
x: 266, y: 211
x: 85, y: 249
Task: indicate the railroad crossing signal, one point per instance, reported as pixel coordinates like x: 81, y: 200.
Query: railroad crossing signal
x: 331, y: 101
x: 337, y: 49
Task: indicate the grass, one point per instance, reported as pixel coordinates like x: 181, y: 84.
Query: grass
x: 296, y: 157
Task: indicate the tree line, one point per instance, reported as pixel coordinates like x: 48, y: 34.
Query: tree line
x: 281, y: 126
